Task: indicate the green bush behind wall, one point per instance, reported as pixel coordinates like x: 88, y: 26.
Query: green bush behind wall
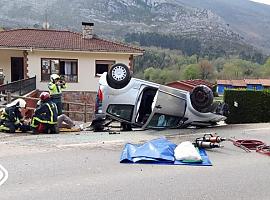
x: 247, y: 106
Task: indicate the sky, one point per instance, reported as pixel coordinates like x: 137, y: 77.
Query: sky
x: 262, y: 1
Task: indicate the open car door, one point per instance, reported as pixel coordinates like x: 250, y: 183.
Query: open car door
x: 168, y: 108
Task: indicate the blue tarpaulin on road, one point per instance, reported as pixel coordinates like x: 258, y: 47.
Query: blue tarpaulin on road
x: 158, y: 151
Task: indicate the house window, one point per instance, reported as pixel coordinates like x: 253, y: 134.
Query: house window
x: 66, y: 68
x: 103, y: 66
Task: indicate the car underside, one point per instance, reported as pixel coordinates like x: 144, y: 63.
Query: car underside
x: 139, y: 103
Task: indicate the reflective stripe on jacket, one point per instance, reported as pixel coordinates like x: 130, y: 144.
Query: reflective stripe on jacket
x: 46, y: 113
x: 11, y: 114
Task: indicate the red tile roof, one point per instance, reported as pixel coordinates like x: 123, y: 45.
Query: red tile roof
x: 224, y: 82
x: 188, y: 85
x: 60, y: 40
x: 244, y: 82
x: 196, y: 82
x: 239, y: 83
x: 264, y: 82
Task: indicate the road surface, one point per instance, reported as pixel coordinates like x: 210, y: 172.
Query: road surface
x: 86, y: 166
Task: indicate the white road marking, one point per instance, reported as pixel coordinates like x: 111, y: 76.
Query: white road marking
x: 91, y: 143
x: 3, y: 175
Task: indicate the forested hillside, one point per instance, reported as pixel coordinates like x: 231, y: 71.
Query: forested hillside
x: 196, y: 46
x: 183, y: 39
x: 164, y: 65
x: 213, y: 22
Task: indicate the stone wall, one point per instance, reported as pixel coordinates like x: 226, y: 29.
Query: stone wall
x: 79, y: 97
x: 68, y: 96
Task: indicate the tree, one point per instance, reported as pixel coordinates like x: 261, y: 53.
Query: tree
x: 192, y: 71
x: 266, y: 68
x: 218, y: 64
x: 232, y: 71
x: 206, y: 69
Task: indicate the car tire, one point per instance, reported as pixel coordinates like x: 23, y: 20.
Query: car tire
x: 118, y: 76
x: 201, y: 98
x: 126, y: 127
x: 98, y: 127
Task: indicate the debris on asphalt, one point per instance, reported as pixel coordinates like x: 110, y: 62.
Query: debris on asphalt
x: 186, y: 152
x: 238, y: 144
x: 209, y: 141
x: 158, y: 151
x: 114, y: 132
x: 250, y: 144
x: 263, y: 149
x: 256, y: 145
x: 69, y: 130
x: 213, y: 141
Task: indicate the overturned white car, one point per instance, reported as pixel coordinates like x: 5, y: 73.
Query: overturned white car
x: 139, y: 103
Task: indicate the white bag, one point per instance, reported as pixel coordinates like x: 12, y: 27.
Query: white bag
x: 185, y: 151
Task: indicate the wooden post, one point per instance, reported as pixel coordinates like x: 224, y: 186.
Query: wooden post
x: 8, y: 97
x: 85, y: 112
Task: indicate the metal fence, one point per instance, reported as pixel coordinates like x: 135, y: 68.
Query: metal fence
x: 20, y: 87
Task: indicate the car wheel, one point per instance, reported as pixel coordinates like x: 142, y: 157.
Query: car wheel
x: 97, y: 125
x: 118, y: 76
x: 126, y: 127
x: 201, y: 98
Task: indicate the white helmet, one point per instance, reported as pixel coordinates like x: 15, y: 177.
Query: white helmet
x: 53, y: 77
x: 20, y: 103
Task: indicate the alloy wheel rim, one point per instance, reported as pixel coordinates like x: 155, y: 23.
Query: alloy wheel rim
x: 119, y: 73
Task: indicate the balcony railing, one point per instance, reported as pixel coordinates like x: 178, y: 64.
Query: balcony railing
x: 20, y: 87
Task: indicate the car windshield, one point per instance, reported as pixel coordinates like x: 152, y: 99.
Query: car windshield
x: 163, y: 121
x: 121, y: 111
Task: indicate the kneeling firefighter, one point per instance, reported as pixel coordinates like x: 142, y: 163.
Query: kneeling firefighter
x: 12, y: 119
x: 45, y: 116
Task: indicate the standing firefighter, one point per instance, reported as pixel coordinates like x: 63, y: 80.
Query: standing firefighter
x: 55, y: 86
x: 45, y: 116
x: 12, y: 119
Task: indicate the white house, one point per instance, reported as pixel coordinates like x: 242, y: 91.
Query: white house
x: 79, y: 57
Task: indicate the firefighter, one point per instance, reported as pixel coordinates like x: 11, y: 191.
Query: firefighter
x: 45, y: 116
x: 11, y: 118
x: 55, y: 86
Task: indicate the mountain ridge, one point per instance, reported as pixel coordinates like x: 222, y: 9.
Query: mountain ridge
x: 115, y: 18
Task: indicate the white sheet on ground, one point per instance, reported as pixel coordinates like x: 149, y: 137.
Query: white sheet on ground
x: 186, y: 151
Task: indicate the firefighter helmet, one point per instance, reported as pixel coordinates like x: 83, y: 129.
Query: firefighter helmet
x: 20, y: 103
x: 44, y: 96
x: 53, y: 77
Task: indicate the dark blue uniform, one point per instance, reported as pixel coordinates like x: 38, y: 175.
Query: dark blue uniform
x: 45, y: 118
x: 10, y: 120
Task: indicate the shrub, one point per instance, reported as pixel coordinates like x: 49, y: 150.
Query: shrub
x: 247, y: 106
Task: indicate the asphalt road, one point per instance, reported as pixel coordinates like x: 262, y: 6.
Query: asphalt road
x: 86, y: 166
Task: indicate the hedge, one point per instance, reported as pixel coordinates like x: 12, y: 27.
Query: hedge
x: 247, y: 106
